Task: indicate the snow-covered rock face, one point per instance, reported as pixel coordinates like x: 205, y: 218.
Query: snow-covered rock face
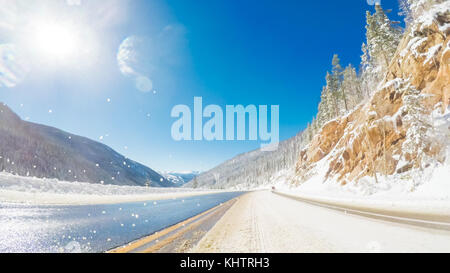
x: 389, y: 134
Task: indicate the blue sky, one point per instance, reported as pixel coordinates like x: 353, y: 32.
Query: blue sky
x: 228, y: 52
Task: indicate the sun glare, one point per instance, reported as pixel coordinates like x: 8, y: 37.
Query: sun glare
x: 56, y: 41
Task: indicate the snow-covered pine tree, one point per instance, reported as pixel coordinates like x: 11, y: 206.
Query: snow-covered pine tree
x: 337, y: 68
x: 195, y: 183
x: 390, y: 32
x: 336, y: 80
x: 405, y: 11
x: 324, y: 112
x: 419, y: 124
x: 333, y: 99
x: 333, y: 95
x: 315, y: 126
x: 382, y: 38
x: 351, y: 87
x: 367, y: 77
x: 310, y: 133
x: 336, y: 98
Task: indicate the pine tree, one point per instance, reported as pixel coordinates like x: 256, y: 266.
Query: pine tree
x: 315, y: 126
x: 405, y: 11
x: 351, y: 87
x: 367, y: 77
x: 332, y: 95
x: 324, y: 111
x: 419, y: 125
x: 337, y: 100
x: 337, y: 68
x: 337, y: 75
x: 382, y: 38
x: 195, y: 183
x: 309, y: 133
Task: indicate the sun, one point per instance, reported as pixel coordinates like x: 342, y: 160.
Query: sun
x: 57, y: 41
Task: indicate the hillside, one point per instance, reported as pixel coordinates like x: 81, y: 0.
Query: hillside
x: 252, y: 169
x: 29, y: 149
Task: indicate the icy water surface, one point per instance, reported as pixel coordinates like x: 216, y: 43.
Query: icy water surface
x: 94, y: 228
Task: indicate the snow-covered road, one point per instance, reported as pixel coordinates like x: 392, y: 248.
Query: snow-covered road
x: 266, y: 222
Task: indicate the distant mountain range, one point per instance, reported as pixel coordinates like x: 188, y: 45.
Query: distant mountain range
x: 180, y: 178
x: 30, y: 149
x: 252, y: 169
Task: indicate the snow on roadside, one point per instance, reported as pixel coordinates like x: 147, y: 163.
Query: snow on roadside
x: 426, y: 191
x: 262, y: 222
x: 19, y: 189
x: 430, y: 197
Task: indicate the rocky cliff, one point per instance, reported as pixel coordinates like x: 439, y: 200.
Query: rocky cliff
x: 371, y: 139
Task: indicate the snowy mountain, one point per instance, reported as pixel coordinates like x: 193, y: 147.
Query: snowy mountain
x: 29, y: 149
x: 252, y: 169
x: 178, y: 179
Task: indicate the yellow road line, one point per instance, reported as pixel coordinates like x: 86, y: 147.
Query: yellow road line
x: 136, y: 244
x: 171, y: 238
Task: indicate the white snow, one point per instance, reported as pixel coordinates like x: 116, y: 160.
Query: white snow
x: 265, y: 222
x: 432, y: 53
x: 446, y: 48
x: 397, y: 82
x: 427, y: 190
x: 429, y: 16
x: 412, y: 46
x: 389, y: 193
x: 51, y: 191
x: 444, y: 28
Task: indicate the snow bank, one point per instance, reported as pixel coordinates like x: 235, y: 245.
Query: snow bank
x: 427, y: 191
x: 21, y: 189
x: 430, y: 197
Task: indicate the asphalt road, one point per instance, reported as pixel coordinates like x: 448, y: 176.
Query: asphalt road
x: 94, y: 228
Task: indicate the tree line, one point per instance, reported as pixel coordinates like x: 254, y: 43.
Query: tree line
x: 346, y: 87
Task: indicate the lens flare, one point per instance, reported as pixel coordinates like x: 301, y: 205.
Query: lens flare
x: 13, y: 67
x: 56, y: 41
